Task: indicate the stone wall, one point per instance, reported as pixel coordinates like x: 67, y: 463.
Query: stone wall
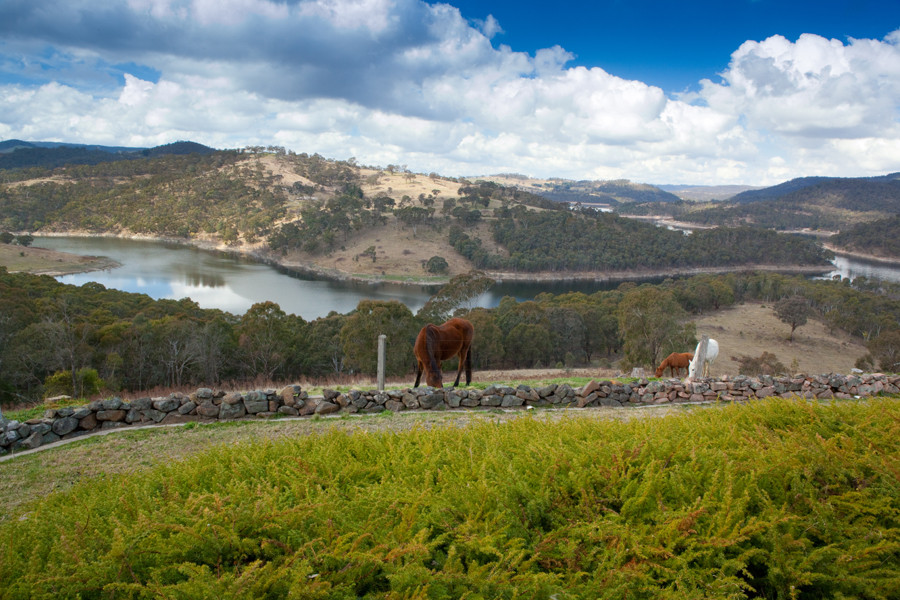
x: 205, y: 405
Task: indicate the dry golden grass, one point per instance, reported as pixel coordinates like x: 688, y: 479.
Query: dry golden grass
x: 752, y: 328
x: 400, y: 252
x: 396, y: 185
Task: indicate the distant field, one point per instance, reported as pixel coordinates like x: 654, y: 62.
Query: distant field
x: 41, y: 261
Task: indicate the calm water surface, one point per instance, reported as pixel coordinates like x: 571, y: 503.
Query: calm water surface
x: 234, y: 284
x: 218, y: 280
x: 854, y: 267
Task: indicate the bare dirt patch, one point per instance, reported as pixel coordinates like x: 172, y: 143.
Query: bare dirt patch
x: 752, y: 328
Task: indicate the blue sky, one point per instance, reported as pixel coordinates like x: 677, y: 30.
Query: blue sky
x: 674, y: 44
x: 741, y: 91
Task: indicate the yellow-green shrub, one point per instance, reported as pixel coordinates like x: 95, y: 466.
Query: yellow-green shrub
x: 774, y: 499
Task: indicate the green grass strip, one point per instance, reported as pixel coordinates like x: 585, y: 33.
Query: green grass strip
x: 775, y: 499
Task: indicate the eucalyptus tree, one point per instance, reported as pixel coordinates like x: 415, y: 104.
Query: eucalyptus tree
x: 359, y: 336
x: 653, y: 324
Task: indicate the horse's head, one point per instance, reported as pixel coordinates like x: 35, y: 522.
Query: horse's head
x: 434, y: 378
x: 659, y: 370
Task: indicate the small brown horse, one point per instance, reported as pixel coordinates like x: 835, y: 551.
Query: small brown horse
x: 675, y: 362
x: 436, y: 343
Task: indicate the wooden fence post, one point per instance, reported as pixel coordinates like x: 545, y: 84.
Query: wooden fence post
x: 381, y: 342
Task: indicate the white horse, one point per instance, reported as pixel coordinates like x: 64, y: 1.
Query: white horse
x: 712, y: 351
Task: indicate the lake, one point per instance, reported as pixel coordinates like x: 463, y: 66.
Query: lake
x: 233, y: 283
x: 855, y: 267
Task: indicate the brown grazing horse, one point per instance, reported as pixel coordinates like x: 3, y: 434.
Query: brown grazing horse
x: 436, y: 343
x: 675, y: 362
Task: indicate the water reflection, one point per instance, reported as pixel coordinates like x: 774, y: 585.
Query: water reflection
x: 233, y: 283
x: 217, y: 280
x: 852, y: 268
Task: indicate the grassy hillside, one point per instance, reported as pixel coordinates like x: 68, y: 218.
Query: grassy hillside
x: 340, y: 218
x: 774, y: 499
x: 752, y: 328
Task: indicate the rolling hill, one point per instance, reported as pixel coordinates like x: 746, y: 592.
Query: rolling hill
x: 825, y: 204
x: 344, y: 219
x: 587, y: 192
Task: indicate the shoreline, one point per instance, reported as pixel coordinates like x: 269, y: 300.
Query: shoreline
x: 44, y: 261
x: 264, y: 256
x: 862, y: 255
x: 99, y: 263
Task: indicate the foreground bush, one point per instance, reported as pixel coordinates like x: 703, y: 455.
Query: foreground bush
x: 778, y: 499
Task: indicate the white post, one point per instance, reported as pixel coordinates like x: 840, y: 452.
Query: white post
x: 381, y: 342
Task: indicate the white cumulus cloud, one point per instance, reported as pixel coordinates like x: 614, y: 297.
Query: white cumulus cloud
x: 408, y: 82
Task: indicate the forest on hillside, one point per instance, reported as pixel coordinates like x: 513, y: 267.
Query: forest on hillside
x: 879, y: 238
x: 231, y: 196
x: 589, y: 240
x: 57, y: 338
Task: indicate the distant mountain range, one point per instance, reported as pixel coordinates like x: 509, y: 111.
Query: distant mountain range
x: 19, y: 154
x: 814, y: 203
x: 12, y: 145
x: 810, y: 186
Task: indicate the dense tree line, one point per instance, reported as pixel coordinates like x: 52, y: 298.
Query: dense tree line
x: 52, y: 332
x: 481, y: 192
x: 674, y: 209
x: 781, y: 215
x: 588, y: 240
x: 21, y: 158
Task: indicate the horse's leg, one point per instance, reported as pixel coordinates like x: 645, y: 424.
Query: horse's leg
x: 468, y: 366
x: 418, y: 373
x: 459, y: 370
